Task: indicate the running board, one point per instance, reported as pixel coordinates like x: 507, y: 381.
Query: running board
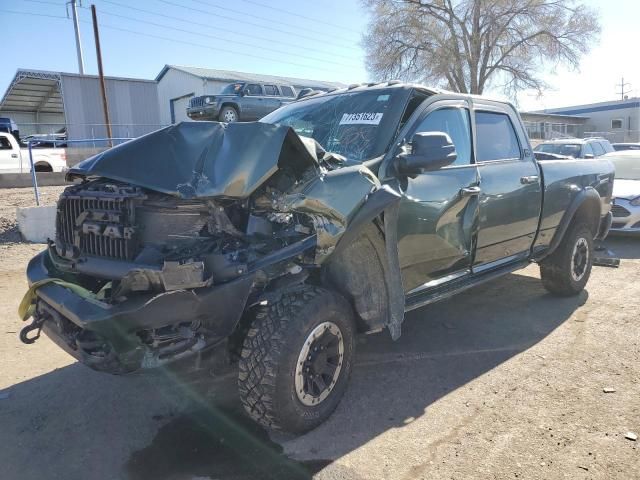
x: 449, y: 289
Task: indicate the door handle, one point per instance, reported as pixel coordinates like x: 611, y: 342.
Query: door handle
x: 528, y: 179
x: 470, y: 191
x: 14, y: 155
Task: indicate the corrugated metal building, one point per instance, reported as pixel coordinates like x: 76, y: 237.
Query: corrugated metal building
x: 617, y: 120
x: 47, y: 102
x: 178, y: 84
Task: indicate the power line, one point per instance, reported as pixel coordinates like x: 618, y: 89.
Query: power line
x: 286, y: 24
x: 223, y: 29
x: 293, y: 14
x: 237, y: 42
x: 15, y: 12
x: 206, y: 12
x: 208, y: 47
x: 44, y: 2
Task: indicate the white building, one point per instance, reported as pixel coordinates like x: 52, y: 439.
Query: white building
x: 178, y: 84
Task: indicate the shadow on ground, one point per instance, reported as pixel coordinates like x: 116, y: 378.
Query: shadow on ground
x: 74, y: 423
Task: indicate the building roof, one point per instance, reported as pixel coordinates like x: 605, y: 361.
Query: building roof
x: 554, y: 116
x: 233, y: 76
x: 594, y: 107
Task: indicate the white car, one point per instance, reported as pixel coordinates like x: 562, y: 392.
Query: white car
x: 14, y: 159
x: 626, y: 192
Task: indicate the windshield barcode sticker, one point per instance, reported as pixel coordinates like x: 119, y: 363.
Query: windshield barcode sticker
x: 365, y: 118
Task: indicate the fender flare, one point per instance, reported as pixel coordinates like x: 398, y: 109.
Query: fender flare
x: 588, y: 195
x: 232, y: 104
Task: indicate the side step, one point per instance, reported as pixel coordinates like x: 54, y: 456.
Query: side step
x: 449, y: 289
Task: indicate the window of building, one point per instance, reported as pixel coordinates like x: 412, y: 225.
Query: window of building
x: 270, y: 90
x: 496, y: 138
x: 616, y: 123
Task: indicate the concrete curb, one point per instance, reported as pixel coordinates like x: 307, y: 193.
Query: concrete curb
x: 37, y: 224
x: 22, y: 180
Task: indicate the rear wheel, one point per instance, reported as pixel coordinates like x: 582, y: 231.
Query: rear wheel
x: 566, y: 271
x: 228, y: 115
x: 296, y: 360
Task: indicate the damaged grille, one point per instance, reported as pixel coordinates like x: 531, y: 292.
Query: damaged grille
x: 98, y: 225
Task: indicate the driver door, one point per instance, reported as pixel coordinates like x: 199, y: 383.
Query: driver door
x: 438, y: 210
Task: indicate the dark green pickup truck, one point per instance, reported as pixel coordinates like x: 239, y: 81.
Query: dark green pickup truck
x: 271, y: 244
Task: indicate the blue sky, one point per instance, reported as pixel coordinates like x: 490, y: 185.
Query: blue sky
x: 309, y: 39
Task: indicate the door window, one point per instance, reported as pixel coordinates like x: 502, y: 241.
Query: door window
x: 496, y: 138
x: 597, y: 148
x: 270, y: 90
x: 286, y: 91
x: 455, y: 122
x: 5, y: 144
x: 253, y: 89
x: 587, y: 150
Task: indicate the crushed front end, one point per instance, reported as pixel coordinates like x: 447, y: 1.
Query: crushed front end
x: 138, y: 277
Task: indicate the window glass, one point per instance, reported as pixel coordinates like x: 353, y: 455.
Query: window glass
x: 496, y: 138
x: 270, y: 90
x: 455, y: 122
x: 607, y: 146
x: 588, y: 150
x: 616, y: 123
x: 5, y: 144
x: 253, y: 89
x: 567, y: 149
x: 597, y: 149
x: 286, y: 91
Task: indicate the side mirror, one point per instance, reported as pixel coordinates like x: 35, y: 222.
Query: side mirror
x: 589, y: 155
x: 429, y: 151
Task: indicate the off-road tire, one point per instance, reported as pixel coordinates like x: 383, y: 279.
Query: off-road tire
x: 556, y: 269
x: 227, y: 112
x: 270, y: 354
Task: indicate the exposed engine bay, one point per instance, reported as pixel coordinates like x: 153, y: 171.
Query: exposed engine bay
x: 174, y: 253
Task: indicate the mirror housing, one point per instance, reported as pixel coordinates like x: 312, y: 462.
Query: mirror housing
x: 429, y: 151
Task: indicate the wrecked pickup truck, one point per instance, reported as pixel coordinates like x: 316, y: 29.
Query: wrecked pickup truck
x: 273, y: 243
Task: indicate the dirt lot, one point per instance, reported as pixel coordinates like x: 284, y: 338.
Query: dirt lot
x: 501, y: 382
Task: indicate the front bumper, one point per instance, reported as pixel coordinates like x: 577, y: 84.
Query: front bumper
x: 77, y: 324
x: 626, y: 218
x: 206, y: 112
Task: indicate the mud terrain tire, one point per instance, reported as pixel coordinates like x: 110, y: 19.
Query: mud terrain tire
x: 566, y: 271
x: 281, y: 334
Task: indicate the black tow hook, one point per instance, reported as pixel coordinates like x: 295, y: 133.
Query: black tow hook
x: 35, y: 325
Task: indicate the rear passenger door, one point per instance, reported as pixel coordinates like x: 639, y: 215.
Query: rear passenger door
x: 511, y: 194
x: 252, y: 103
x: 271, y: 100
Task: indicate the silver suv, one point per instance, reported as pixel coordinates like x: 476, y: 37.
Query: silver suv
x: 576, y: 147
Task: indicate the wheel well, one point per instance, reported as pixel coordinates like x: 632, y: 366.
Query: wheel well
x: 43, y: 167
x: 589, y: 213
x: 230, y: 104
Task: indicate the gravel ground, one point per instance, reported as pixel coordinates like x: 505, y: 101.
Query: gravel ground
x: 501, y: 382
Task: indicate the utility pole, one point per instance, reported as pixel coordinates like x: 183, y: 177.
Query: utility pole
x: 622, y: 86
x: 76, y: 27
x: 101, y: 73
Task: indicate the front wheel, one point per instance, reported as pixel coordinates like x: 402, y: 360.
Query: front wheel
x: 228, y: 115
x: 566, y: 271
x: 296, y: 360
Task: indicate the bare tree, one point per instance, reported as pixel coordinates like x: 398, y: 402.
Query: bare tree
x: 469, y: 44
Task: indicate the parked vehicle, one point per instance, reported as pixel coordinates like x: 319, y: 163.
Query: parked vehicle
x: 625, y: 146
x: 576, y: 147
x: 14, y: 159
x: 7, y: 125
x: 626, y: 192
x: 273, y: 243
x: 241, y: 102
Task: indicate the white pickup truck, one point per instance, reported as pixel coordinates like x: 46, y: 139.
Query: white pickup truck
x: 14, y: 159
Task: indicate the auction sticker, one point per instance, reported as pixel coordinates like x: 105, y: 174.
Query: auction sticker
x: 363, y: 118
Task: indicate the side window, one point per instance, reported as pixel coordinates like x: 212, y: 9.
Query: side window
x: 455, y: 122
x: 286, y: 91
x: 597, y: 149
x: 5, y: 144
x: 253, y: 89
x: 587, y: 150
x: 495, y: 137
x: 270, y: 90
x: 607, y: 146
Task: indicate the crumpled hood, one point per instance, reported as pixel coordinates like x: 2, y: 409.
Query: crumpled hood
x: 202, y: 159
x: 627, y: 189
